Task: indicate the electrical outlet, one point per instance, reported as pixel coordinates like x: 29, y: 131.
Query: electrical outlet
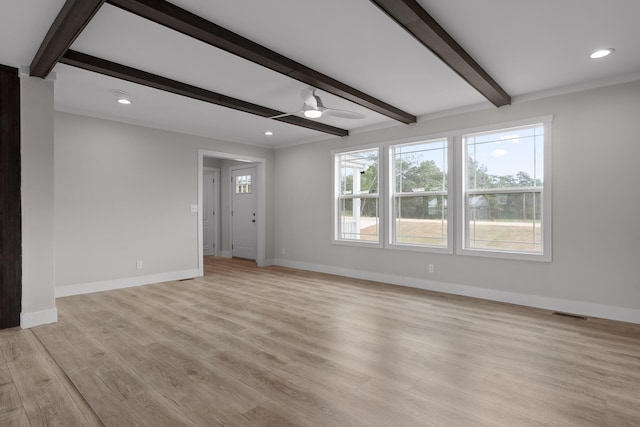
x: 139, y: 265
x: 284, y: 251
x: 431, y: 269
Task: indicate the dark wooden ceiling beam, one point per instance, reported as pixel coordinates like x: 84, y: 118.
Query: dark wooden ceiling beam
x: 410, y: 15
x: 71, y: 20
x: 112, y: 69
x: 185, y: 22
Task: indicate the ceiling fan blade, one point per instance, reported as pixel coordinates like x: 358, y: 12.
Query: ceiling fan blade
x: 282, y: 115
x: 288, y: 114
x: 343, y: 114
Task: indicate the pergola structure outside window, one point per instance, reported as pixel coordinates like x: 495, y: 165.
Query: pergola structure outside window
x: 358, y: 198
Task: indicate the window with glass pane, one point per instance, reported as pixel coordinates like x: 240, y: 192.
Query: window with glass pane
x: 420, y: 186
x: 504, y: 190
x: 357, y: 174
x: 243, y: 184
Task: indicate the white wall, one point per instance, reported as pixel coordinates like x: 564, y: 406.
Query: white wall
x: 36, y: 109
x: 596, y: 235
x: 123, y: 193
x: 211, y: 162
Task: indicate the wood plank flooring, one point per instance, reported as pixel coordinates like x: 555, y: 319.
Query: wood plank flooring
x: 244, y: 346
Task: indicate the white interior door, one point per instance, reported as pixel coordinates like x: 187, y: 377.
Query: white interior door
x: 244, y: 219
x: 210, y: 212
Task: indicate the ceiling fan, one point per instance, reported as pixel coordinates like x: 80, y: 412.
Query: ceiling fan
x: 313, y: 108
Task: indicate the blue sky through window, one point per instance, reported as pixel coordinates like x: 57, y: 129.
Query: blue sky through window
x: 509, y: 151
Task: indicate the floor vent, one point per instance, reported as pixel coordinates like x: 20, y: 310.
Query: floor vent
x: 573, y: 316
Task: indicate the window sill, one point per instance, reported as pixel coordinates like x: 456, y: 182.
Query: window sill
x: 357, y: 243
x: 521, y: 256
x: 419, y: 248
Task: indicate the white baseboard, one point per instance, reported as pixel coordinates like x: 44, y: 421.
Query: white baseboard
x: 556, y: 304
x: 37, y: 318
x: 127, y: 282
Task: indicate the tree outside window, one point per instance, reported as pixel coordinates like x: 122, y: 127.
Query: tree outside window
x: 419, y: 196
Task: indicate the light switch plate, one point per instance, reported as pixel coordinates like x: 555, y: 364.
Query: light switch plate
x: 194, y: 208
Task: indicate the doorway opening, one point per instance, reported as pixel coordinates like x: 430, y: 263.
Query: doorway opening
x: 227, y: 162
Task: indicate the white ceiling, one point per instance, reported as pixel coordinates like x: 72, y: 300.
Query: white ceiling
x: 530, y: 48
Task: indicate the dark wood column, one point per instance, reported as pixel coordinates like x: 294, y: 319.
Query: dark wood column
x: 10, y: 219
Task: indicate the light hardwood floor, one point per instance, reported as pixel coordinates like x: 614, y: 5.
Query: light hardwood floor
x: 244, y: 346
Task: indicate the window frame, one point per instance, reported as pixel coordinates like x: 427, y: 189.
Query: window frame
x: 546, y: 196
x: 337, y: 197
x: 450, y: 193
x: 456, y: 194
x: 242, y: 183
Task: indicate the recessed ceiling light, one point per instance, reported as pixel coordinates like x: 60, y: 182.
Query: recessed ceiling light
x: 124, y: 101
x: 268, y: 133
x: 601, y: 53
x: 313, y: 114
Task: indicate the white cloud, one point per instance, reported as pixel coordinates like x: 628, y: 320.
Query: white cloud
x: 498, y: 152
